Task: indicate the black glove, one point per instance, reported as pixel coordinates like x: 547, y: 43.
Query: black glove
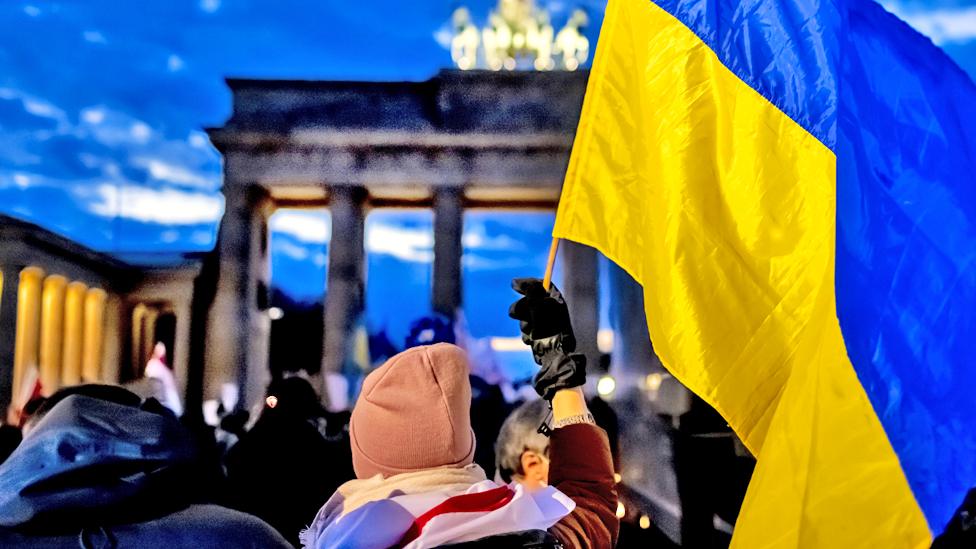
x: 544, y: 320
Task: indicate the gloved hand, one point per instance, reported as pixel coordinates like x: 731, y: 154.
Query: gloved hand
x: 544, y: 321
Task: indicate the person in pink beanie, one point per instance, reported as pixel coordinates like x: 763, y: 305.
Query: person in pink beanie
x: 413, y: 414
x: 413, y: 449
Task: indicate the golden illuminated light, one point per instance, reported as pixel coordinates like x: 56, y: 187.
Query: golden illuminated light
x: 464, y: 44
x: 52, y: 332
x: 74, y: 321
x: 606, y: 386
x: 644, y: 522
x: 518, y: 34
x: 271, y: 401
x: 621, y: 510
x: 93, y: 335
x: 28, y: 331
x: 571, y: 45
x: 653, y: 381
x: 604, y: 340
x: 518, y: 41
x: 617, y: 478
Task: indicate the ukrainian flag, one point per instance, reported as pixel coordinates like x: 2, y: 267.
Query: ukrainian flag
x: 792, y: 182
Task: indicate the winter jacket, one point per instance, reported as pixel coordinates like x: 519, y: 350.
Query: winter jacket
x: 94, y: 473
x: 582, y: 468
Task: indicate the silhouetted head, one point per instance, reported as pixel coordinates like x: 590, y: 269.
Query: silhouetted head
x: 159, y: 351
x: 292, y: 396
x: 429, y: 330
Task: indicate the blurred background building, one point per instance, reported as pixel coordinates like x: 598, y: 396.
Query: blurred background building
x: 367, y: 166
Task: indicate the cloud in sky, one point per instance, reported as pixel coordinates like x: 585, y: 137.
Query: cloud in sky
x: 944, y: 25
x: 161, y: 206
x: 168, y: 172
x: 414, y: 244
x: 292, y: 250
x: 311, y: 226
x: 475, y: 238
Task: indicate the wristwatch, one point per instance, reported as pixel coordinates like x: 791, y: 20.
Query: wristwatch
x: 573, y: 420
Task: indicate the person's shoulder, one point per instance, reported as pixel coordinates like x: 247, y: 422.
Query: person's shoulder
x: 195, y: 527
x: 10, y: 537
x: 232, y: 528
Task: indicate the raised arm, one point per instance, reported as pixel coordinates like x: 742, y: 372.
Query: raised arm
x: 580, y: 462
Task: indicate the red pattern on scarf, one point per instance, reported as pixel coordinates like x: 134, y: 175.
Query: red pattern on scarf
x: 481, y: 502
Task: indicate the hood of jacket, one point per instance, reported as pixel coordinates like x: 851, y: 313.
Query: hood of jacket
x: 90, y: 461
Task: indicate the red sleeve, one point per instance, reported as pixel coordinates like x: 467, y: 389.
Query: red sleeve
x: 582, y: 468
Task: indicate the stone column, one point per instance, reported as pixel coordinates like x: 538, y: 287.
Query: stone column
x: 581, y: 290
x: 148, y: 334
x: 181, y: 354
x: 204, y: 293
x: 8, y: 331
x: 28, y: 327
x: 74, y: 323
x: 448, y: 226
x: 238, y: 329
x: 635, y: 364
x: 345, y: 286
x: 52, y: 332
x: 105, y: 322
x: 633, y: 354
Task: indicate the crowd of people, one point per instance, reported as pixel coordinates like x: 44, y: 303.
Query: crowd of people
x: 415, y: 463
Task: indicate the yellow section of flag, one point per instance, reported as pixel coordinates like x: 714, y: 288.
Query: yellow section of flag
x: 723, y: 208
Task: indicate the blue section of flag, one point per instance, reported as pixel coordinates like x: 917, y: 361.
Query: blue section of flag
x: 906, y: 241
x: 787, y: 51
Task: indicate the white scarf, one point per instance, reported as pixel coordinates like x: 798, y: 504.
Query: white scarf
x: 361, y: 504
x: 449, y: 481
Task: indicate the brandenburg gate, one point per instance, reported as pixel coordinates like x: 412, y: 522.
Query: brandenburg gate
x: 459, y: 140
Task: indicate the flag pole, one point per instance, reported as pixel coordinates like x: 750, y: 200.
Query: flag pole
x: 547, y: 280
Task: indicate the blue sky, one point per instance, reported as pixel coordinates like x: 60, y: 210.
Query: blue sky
x: 102, y: 105
x: 102, y: 102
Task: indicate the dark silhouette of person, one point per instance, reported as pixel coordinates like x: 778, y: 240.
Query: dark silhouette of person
x: 293, y: 458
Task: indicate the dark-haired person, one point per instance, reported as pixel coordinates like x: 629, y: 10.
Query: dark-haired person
x: 98, y: 467
x: 296, y: 454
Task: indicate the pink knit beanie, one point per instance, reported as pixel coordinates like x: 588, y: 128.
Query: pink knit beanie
x: 414, y: 413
